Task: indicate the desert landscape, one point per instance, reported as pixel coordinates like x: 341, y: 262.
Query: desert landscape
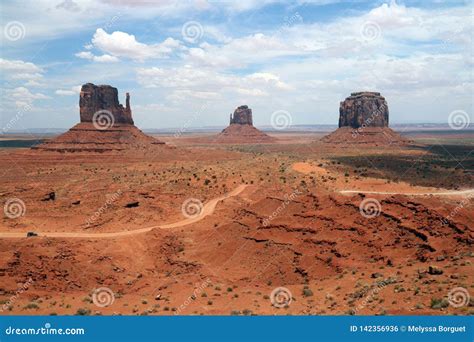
x: 107, y: 220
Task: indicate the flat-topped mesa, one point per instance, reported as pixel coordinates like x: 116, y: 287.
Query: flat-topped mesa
x: 363, y: 121
x: 366, y: 93
x: 363, y: 109
x: 94, y: 99
x: 242, y: 116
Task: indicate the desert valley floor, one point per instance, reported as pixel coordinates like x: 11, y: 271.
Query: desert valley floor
x: 282, y: 214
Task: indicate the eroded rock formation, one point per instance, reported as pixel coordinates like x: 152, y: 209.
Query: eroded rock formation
x: 363, y: 120
x: 105, y: 125
x: 94, y: 99
x: 363, y: 109
x: 241, y: 129
x: 242, y: 116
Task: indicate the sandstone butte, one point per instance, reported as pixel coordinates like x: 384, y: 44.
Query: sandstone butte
x: 363, y: 119
x: 242, y: 130
x: 105, y: 125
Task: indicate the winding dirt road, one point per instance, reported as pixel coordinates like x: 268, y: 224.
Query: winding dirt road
x: 208, y: 209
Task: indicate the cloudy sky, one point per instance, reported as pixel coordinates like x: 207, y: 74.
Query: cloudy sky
x: 192, y: 62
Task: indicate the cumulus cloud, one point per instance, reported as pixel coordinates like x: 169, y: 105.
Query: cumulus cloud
x: 389, y: 29
x: 24, y: 97
x: 20, y: 70
x: 187, y: 77
x: 121, y: 44
x: 241, y: 52
x: 69, y: 92
x: 305, y: 66
x: 101, y: 59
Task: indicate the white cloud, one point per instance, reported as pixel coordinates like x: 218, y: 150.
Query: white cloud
x: 20, y: 70
x: 85, y: 55
x: 69, y: 92
x: 101, y: 59
x: 122, y: 44
x: 389, y: 29
x: 23, y: 96
x: 69, y: 5
x: 105, y: 58
x: 19, y: 66
x: 251, y: 92
x: 268, y: 79
x: 182, y: 95
x: 199, y: 79
x: 241, y: 52
x: 421, y: 58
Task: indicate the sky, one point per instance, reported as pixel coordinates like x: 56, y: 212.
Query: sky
x: 192, y: 62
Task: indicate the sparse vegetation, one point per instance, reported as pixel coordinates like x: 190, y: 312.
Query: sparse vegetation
x: 439, y: 303
x: 31, y: 305
x: 83, y: 312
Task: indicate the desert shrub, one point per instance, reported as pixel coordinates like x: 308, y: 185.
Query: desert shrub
x: 439, y: 303
x: 83, y: 312
x: 31, y: 306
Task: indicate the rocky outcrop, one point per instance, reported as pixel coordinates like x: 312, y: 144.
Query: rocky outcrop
x: 241, y: 129
x: 363, y: 109
x: 242, y: 116
x: 105, y: 125
x: 94, y: 99
x: 363, y: 120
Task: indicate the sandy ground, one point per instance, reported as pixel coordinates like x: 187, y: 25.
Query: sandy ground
x: 368, y: 184
x: 277, y: 215
x: 207, y: 209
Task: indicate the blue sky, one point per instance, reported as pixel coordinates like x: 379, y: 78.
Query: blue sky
x: 193, y: 62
